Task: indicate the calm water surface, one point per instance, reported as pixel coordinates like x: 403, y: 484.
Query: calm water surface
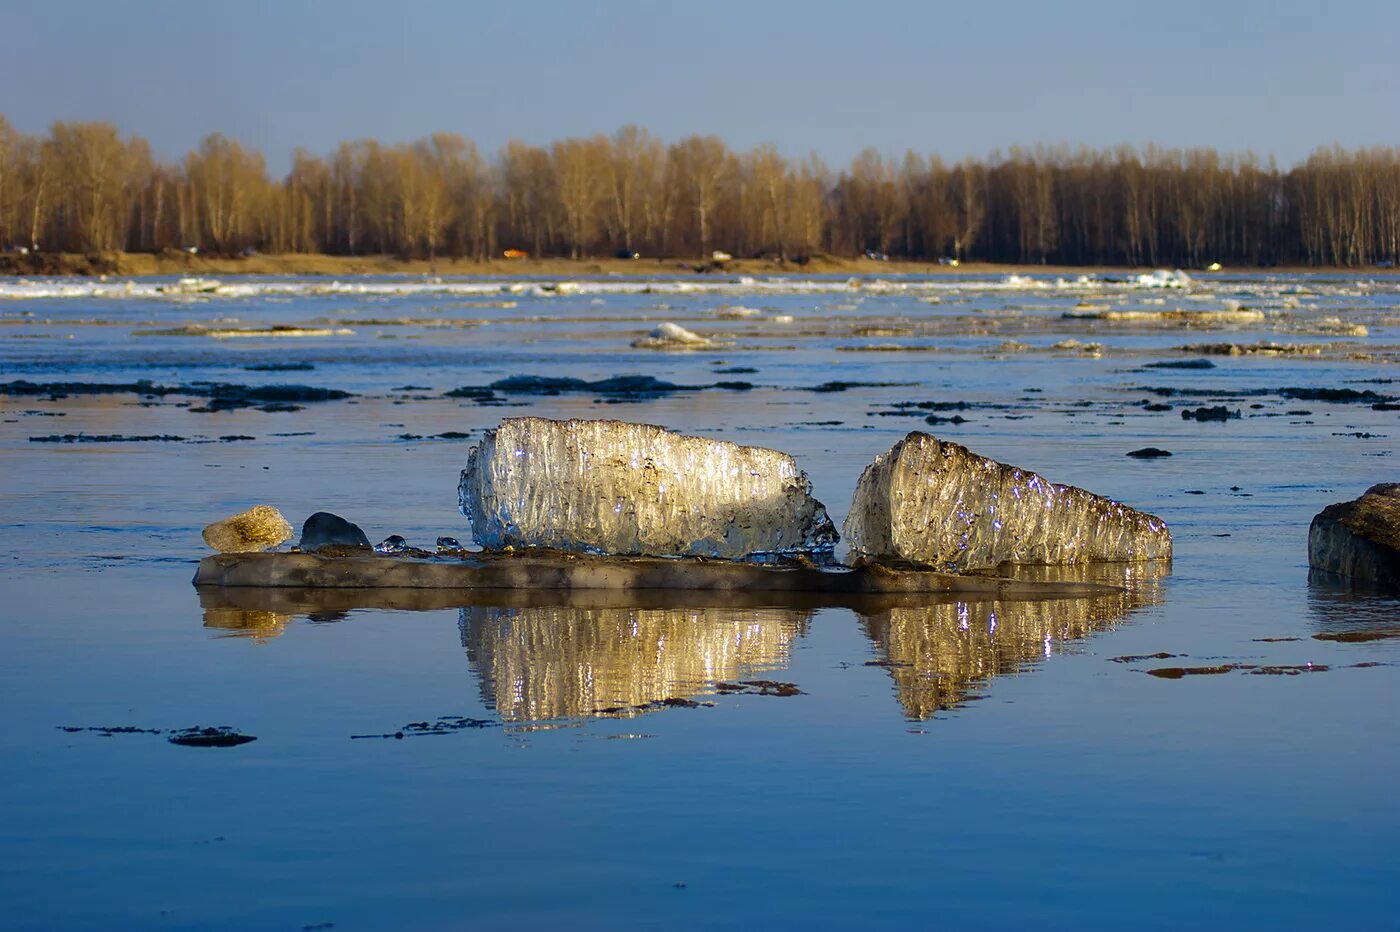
x: 587, y: 762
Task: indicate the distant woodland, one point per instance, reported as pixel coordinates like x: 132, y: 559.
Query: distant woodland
x: 84, y: 188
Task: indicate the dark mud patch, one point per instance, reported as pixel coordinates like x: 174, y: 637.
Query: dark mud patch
x: 758, y: 688
x: 445, y: 435
x: 1181, y: 364
x: 110, y: 438
x: 1176, y: 673
x: 619, y: 387
x: 1358, y: 637
x: 222, y: 396
x: 1138, y: 658
x: 1276, y: 640
x: 280, y: 367
x: 221, y: 736
x: 1335, y: 395
x: 840, y: 386
x: 444, y: 725
x: 1214, y: 413
x: 670, y: 702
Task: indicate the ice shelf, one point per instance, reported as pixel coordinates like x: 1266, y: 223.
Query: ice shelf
x: 937, y: 504
x: 609, y: 487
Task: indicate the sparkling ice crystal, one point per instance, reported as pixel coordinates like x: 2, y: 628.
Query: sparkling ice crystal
x: 938, y: 504
x: 619, y: 488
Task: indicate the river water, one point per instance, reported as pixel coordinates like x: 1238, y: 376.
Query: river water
x: 599, y: 761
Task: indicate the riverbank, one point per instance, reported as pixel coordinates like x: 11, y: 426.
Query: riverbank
x: 136, y: 264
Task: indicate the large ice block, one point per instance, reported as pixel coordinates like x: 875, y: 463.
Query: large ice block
x: 618, y: 488
x: 938, y: 504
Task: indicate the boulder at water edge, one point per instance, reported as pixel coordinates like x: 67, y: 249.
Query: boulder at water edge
x: 1361, y: 538
x: 324, y: 529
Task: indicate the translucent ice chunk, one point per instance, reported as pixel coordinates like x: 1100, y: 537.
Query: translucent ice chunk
x: 939, y: 504
x: 619, y: 488
x: 392, y: 544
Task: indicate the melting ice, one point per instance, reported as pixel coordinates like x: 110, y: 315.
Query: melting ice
x: 612, y: 487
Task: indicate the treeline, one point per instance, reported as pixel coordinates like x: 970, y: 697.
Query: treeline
x: 85, y: 188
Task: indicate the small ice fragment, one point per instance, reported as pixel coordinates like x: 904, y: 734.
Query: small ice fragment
x: 672, y: 336
x: 391, y: 544
x: 619, y: 488
x: 936, y: 503
x: 449, y: 545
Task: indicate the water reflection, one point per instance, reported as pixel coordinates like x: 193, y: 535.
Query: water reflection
x: 1343, y: 609
x: 242, y: 622
x: 567, y: 661
x: 940, y: 653
x: 542, y: 655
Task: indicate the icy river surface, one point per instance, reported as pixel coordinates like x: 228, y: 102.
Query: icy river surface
x: 1216, y: 746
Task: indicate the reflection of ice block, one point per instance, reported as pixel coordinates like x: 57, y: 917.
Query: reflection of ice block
x: 556, y: 661
x: 941, y: 654
x: 939, y: 504
x: 618, y: 488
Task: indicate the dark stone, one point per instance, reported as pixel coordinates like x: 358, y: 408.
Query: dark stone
x: 324, y: 529
x: 1149, y: 452
x: 1360, y: 539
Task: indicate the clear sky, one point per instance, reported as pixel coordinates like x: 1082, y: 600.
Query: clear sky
x: 1279, y: 77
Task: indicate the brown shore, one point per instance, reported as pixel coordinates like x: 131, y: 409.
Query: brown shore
x: 136, y: 264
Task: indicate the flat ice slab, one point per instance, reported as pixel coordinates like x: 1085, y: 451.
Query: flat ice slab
x: 934, y: 503
x: 609, y: 487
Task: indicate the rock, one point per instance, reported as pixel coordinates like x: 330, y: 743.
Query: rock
x: 324, y: 529
x: 618, y: 488
x: 933, y: 503
x: 261, y: 527
x: 1361, y: 538
x: 1149, y: 452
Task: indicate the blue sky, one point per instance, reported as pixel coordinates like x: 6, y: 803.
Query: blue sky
x: 960, y: 79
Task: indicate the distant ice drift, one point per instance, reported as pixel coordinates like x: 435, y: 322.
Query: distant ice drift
x: 611, y: 487
x: 208, y: 289
x: 938, y: 504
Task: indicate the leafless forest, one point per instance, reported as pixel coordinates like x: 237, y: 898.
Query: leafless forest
x: 85, y: 188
